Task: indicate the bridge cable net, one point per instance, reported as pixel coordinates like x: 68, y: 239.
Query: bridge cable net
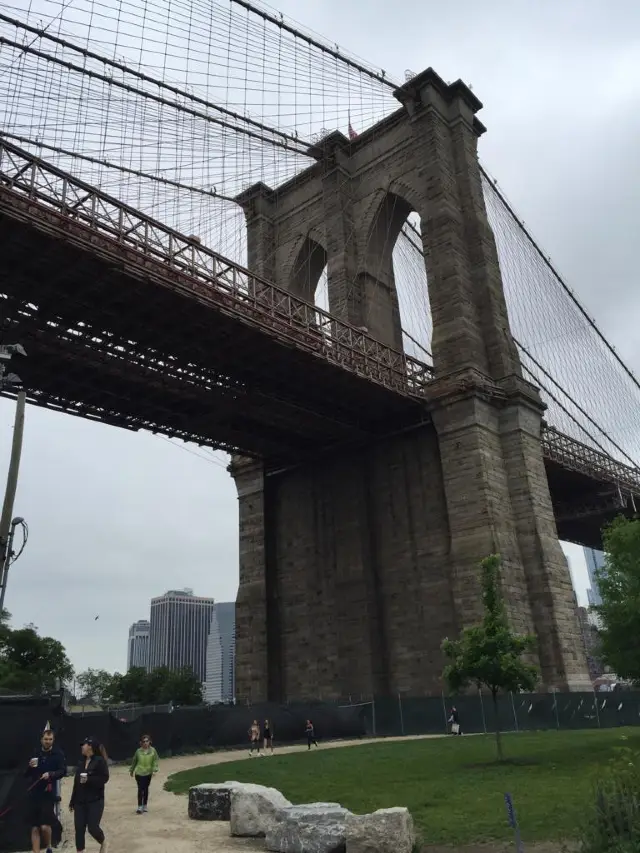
x: 592, y: 396
x: 175, y: 107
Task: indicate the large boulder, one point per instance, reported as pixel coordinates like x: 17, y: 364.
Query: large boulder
x: 384, y: 831
x: 253, y: 809
x: 211, y: 801
x: 313, y: 828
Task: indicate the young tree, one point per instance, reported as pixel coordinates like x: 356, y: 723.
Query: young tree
x: 490, y: 655
x: 619, y: 585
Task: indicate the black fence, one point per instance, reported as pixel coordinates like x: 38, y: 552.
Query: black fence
x: 405, y: 715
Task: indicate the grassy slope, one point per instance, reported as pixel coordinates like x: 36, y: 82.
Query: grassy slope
x: 452, y: 786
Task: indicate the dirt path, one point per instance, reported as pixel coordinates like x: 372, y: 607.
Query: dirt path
x: 166, y: 827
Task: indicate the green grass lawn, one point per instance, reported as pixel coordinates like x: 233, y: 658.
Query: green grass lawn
x: 452, y: 786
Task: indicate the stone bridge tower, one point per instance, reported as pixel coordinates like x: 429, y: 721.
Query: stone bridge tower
x: 354, y: 567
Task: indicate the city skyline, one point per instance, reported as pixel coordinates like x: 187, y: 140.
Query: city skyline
x: 176, y: 640
x: 139, y: 626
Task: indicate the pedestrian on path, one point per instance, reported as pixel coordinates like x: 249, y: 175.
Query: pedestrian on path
x: 87, y: 798
x: 267, y: 733
x: 454, y: 720
x: 254, y: 735
x: 311, y: 735
x: 143, y: 766
x: 43, y: 772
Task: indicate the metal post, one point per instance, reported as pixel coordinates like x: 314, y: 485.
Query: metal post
x: 513, y: 706
x: 446, y: 718
x: 401, y: 717
x: 373, y: 715
x: 595, y: 704
x: 555, y: 706
x: 513, y: 822
x: 10, y: 491
x: 484, y: 719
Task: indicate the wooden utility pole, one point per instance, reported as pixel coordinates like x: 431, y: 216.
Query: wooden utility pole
x: 10, y: 491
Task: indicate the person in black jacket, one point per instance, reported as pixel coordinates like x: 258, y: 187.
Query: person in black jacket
x: 47, y: 765
x: 87, y: 798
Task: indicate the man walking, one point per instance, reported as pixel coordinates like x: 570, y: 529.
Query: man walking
x: 47, y: 766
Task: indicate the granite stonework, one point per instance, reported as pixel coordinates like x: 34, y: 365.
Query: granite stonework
x: 254, y: 810
x: 382, y: 831
x: 211, y: 801
x: 355, y: 564
x: 312, y: 828
x: 258, y: 812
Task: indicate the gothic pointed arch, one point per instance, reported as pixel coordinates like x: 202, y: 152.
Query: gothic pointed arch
x: 307, y: 267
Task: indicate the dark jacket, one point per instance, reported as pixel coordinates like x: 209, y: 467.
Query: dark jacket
x: 52, y: 762
x: 97, y: 777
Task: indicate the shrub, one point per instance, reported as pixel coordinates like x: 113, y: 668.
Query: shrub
x: 613, y: 825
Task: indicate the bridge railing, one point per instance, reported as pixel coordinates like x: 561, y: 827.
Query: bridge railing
x: 579, y: 457
x: 228, y: 285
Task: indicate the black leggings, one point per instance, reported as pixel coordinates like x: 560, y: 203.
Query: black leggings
x: 87, y: 816
x: 143, y: 789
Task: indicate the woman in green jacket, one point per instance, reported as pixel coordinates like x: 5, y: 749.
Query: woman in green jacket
x: 143, y: 766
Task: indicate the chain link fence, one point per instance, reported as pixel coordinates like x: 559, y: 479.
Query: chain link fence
x: 410, y: 715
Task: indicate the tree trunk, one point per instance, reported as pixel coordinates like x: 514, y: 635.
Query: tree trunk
x: 494, y: 694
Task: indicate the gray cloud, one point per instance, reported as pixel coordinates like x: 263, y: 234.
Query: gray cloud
x: 117, y: 517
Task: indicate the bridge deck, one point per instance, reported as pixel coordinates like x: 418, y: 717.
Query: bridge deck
x: 134, y: 324
x: 128, y: 322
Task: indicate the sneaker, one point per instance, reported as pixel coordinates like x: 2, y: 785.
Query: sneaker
x: 145, y: 809
x: 139, y: 810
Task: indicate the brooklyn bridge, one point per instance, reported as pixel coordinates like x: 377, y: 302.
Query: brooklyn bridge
x: 381, y: 444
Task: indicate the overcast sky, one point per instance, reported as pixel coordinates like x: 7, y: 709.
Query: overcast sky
x: 119, y: 517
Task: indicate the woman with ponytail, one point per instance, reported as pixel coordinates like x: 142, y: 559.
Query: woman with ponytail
x: 87, y: 799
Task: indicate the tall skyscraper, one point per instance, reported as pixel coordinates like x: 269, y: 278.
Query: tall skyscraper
x: 138, y: 647
x: 595, y: 561
x: 220, y: 682
x: 179, y: 632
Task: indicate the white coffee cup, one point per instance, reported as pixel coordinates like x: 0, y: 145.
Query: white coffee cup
x: 83, y: 778
x: 33, y: 762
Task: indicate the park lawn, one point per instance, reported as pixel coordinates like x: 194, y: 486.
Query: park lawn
x: 452, y: 786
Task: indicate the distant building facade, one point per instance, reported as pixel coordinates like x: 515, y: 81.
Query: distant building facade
x: 138, y: 647
x: 595, y: 562
x: 591, y: 644
x: 220, y: 680
x: 179, y: 631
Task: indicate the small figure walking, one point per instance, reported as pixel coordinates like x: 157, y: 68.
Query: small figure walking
x: 87, y: 798
x: 254, y: 736
x: 311, y: 736
x: 144, y: 766
x: 268, y: 736
x: 454, y: 719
